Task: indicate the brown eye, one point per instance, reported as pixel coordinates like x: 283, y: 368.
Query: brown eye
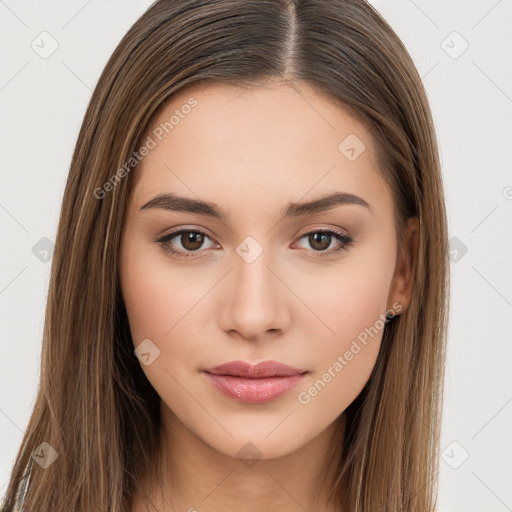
x: 191, y: 240
x: 321, y: 240
x: 185, y: 242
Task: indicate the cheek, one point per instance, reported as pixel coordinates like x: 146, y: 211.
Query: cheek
x: 348, y: 338
x: 351, y: 297
x: 157, y: 296
x: 163, y: 305
x: 359, y: 301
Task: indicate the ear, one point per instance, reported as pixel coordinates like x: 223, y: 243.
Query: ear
x: 403, y: 279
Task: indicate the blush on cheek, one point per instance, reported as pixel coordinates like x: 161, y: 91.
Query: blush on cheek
x: 355, y: 313
x: 163, y: 307
x: 155, y: 297
x: 351, y: 305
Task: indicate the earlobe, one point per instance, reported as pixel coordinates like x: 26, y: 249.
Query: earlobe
x: 403, y: 279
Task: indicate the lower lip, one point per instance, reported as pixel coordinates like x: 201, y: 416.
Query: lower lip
x: 254, y: 391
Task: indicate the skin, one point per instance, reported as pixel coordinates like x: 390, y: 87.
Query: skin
x: 252, y: 152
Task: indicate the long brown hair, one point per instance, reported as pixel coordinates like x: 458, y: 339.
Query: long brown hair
x: 93, y: 396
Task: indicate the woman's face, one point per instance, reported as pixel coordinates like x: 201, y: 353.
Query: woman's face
x: 257, y: 275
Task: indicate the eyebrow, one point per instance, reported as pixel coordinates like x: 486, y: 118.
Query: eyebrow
x: 175, y: 203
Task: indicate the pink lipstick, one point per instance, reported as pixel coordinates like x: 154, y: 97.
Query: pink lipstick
x: 254, y: 383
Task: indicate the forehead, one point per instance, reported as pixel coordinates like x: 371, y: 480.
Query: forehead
x: 228, y: 113
x: 269, y: 138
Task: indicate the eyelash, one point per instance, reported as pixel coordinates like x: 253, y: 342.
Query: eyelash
x: 345, y: 242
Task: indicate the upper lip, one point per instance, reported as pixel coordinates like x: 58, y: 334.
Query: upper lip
x: 254, y: 371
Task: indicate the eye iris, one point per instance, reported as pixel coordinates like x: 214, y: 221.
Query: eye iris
x: 191, y: 241
x: 320, y: 238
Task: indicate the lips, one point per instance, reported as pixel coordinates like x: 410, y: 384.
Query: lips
x: 254, y: 371
x: 254, y: 383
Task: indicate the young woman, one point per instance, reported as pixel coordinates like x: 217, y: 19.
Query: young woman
x: 248, y: 300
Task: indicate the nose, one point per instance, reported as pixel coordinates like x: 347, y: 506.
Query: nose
x: 255, y: 302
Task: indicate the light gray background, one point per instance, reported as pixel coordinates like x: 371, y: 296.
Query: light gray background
x: 42, y: 103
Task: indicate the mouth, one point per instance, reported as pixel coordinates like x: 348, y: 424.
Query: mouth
x: 254, y: 383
